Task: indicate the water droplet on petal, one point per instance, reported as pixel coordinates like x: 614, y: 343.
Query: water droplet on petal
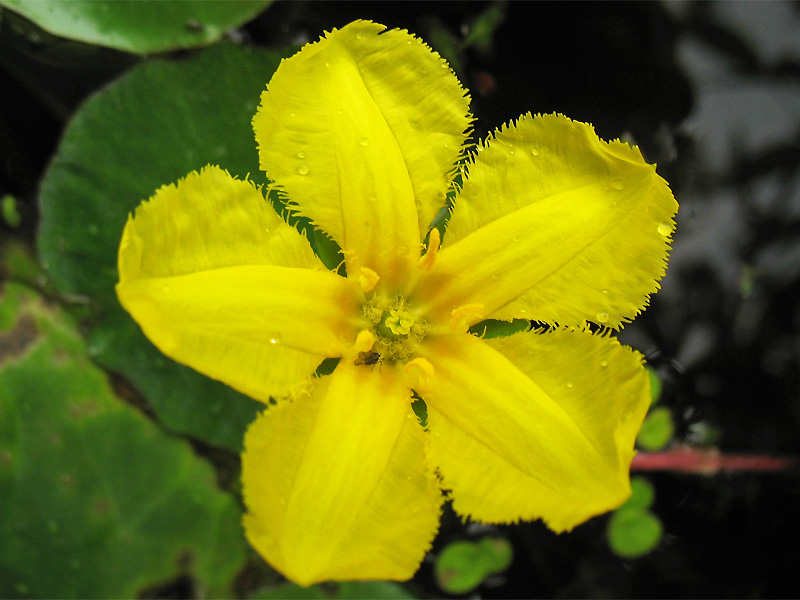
x: 303, y: 169
x: 664, y: 229
x: 605, y: 291
x: 535, y: 151
x: 569, y: 384
x: 604, y: 363
x: 618, y: 184
x: 511, y: 150
x: 365, y: 141
x: 275, y: 338
x: 602, y: 317
x: 402, y: 251
x: 301, y: 154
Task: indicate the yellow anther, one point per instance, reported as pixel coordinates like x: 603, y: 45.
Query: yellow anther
x: 364, y: 341
x: 420, y: 371
x: 367, y: 279
x: 462, y: 317
x: 428, y: 260
x: 400, y: 321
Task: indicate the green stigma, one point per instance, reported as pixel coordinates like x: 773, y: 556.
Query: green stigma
x: 399, y: 322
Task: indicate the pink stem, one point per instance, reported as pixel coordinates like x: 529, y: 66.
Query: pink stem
x: 684, y: 459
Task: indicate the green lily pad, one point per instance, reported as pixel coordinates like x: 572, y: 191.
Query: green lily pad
x: 633, y: 532
x: 95, y: 500
x: 655, y: 385
x: 657, y: 430
x: 462, y: 566
x: 348, y: 590
x: 643, y: 494
x: 138, y: 27
x: 152, y: 127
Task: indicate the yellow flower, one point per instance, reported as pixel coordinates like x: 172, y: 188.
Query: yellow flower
x: 361, y: 132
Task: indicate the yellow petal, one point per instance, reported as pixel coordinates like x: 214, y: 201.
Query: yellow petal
x: 206, y: 221
x: 361, y: 130
x: 335, y: 483
x: 260, y: 329
x: 535, y: 426
x: 213, y: 276
x: 556, y: 225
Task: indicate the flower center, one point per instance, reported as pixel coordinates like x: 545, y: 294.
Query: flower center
x: 396, y: 331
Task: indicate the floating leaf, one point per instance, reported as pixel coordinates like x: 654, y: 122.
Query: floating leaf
x: 95, y: 500
x: 643, y: 494
x: 9, y: 211
x: 492, y: 328
x: 349, y: 590
x: 462, y: 566
x: 657, y: 430
x: 655, y: 385
x: 152, y: 127
x: 133, y: 27
x: 633, y: 532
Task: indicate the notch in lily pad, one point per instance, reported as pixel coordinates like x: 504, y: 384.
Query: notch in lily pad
x: 462, y: 566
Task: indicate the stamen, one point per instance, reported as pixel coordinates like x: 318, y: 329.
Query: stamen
x: 420, y: 371
x: 364, y: 341
x: 462, y: 317
x: 427, y: 261
x: 368, y: 279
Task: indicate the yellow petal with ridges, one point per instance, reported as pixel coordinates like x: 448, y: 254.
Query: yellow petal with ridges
x: 336, y: 483
x: 556, y: 225
x: 361, y: 131
x: 206, y: 221
x: 260, y: 329
x: 535, y: 426
x: 219, y: 282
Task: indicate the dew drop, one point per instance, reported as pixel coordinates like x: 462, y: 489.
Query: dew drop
x: 301, y: 154
x: 569, y: 384
x: 365, y: 141
x: 535, y: 151
x: 358, y: 36
x: 604, y: 363
x: 664, y: 229
x: 303, y: 169
x: 602, y: 317
x: 275, y: 338
x: 327, y: 64
x: 402, y: 251
x: 605, y: 291
x: 618, y: 184
x: 511, y: 150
